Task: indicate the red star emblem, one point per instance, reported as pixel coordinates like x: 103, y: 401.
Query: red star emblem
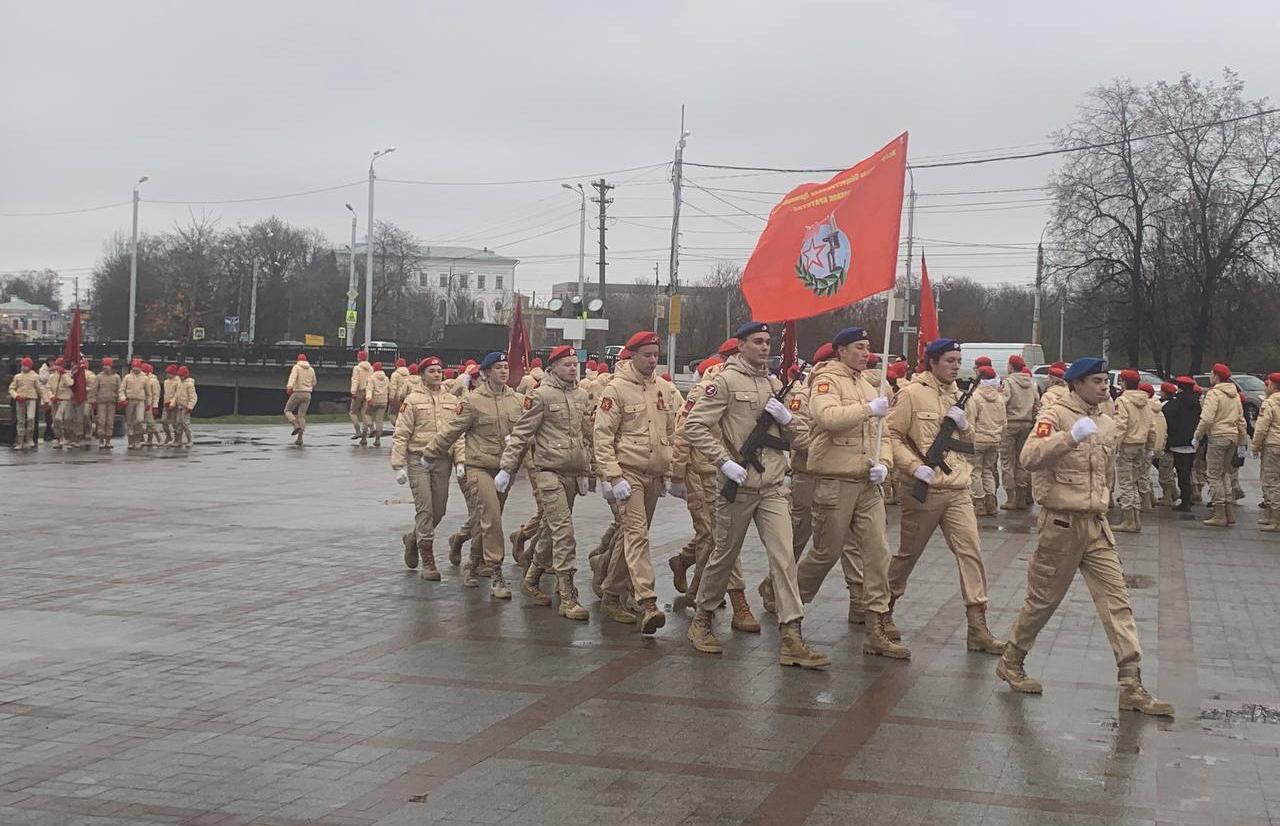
x: 812, y: 253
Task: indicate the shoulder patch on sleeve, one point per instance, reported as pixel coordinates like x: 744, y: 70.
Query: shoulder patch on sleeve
x: 1044, y: 428
x: 606, y: 404
x: 823, y: 387
x: 711, y: 389
x: 795, y: 404
x: 662, y: 400
x: 688, y: 405
x: 460, y: 406
x: 528, y: 402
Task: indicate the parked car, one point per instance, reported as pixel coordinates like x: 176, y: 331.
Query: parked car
x: 289, y: 342
x: 1113, y: 379
x: 1253, y: 388
x: 998, y: 353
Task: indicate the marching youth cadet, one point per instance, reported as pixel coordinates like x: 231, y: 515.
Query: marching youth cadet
x: 398, y: 389
x: 634, y: 429
x: 85, y: 411
x: 531, y: 379
x: 608, y: 552
x: 413, y: 383
x: 1222, y: 426
x: 297, y: 390
x: 1021, y: 403
x: 1136, y: 439
x: 988, y: 414
x: 1266, y: 445
x: 485, y: 417
x: 896, y: 375
x: 360, y: 374
x: 184, y: 401
x: 848, y: 510
x: 718, y: 426
x: 60, y: 387
x: 152, y: 408
x: 1071, y: 452
x: 1057, y: 389
x: 423, y: 415
x: 1181, y: 416
x: 376, y: 396
x: 106, y: 399
x: 133, y: 395
x: 27, y: 392
x: 167, y: 414
x: 553, y: 438
x: 914, y: 421
x: 1164, y: 456
x: 1146, y: 499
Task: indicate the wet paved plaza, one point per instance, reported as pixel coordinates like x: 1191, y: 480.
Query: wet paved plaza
x: 227, y: 636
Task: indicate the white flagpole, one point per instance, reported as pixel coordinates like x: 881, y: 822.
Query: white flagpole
x: 884, y: 369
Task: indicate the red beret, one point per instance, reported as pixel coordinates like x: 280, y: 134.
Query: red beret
x: 183, y: 372
x: 666, y: 376
x: 824, y: 353
x: 602, y: 367
x: 625, y: 355
x: 450, y: 373
x: 642, y: 339
x: 873, y: 360
x: 1017, y: 362
x: 468, y: 362
x: 591, y: 364
x: 563, y: 351
x: 984, y: 361
x: 1187, y: 380
x: 1222, y: 371
x: 1168, y: 388
x: 362, y: 355
x: 413, y: 369
x: 896, y: 370
x: 401, y: 363
x: 430, y: 361
x: 1274, y: 378
x: 986, y: 371
x: 172, y: 369
x: 302, y: 357
x: 1130, y: 375
x: 59, y: 362
x: 707, y: 363
x: 377, y: 365
x: 1057, y: 372
x: 147, y: 368
x: 1147, y: 388
x: 1061, y: 365
x: 730, y: 347
x: 108, y: 362
x: 27, y: 362
x: 473, y: 369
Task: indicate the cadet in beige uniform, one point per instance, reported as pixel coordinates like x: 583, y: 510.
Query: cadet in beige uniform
x: 106, y: 398
x: 413, y: 383
x: 85, y: 413
x: 987, y: 412
x: 1136, y: 444
x: 360, y: 374
x: 553, y: 439
x: 1266, y: 446
x: 183, y: 402
x: 398, y: 389
x: 530, y: 529
x: 914, y: 422
x: 60, y: 390
x: 133, y: 392
x: 718, y: 425
x: 28, y: 395
x: 1057, y: 389
x: 1072, y: 451
x: 1166, y: 471
x: 152, y: 408
x: 634, y: 430
x: 845, y: 457
x: 1222, y: 424
x: 377, y: 395
x: 486, y: 417
x: 531, y: 379
x: 297, y: 391
x: 423, y: 415
x: 1021, y: 403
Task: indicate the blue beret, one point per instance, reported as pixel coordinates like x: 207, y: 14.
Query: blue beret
x: 492, y: 359
x: 1085, y: 367
x: 849, y: 335
x: 941, y: 345
x: 750, y: 328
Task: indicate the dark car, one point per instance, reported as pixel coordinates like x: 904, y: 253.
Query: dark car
x: 1253, y: 388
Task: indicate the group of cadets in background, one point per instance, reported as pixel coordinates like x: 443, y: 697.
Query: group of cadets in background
x: 151, y: 409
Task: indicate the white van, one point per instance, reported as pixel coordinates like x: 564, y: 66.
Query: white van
x: 999, y: 354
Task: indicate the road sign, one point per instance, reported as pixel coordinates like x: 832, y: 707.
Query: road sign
x: 244, y: 338
x: 673, y: 324
x: 352, y: 316
x: 197, y: 334
x: 351, y: 295
x: 313, y: 340
x: 231, y: 324
x: 907, y: 328
x: 342, y: 333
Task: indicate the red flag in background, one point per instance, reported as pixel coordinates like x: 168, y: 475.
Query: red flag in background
x: 928, y: 329
x: 71, y: 356
x: 518, y: 346
x: 790, y: 350
x: 829, y: 245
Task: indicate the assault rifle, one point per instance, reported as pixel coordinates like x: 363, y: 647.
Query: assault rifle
x: 760, y: 438
x: 936, y: 456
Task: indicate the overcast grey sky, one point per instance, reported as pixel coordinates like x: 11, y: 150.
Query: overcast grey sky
x: 229, y: 100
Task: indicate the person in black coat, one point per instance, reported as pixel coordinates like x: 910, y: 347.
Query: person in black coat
x: 1182, y: 414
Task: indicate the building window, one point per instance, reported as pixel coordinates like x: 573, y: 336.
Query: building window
x: 424, y: 280
x: 479, y: 282
x: 463, y: 281
x: 444, y: 280
x: 497, y: 282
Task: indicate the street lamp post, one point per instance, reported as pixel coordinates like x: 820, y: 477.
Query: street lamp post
x: 582, y: 238
x: 133, y: 269
x: 351, y: 283
x: 368, y: 258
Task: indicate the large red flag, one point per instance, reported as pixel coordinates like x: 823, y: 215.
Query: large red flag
x: 829, y: 245
x: 71, y: 356
x: 518, y: 346
x: 928, y: 330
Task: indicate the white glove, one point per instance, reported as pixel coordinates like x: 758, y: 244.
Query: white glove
x: 678, y: 489
x: 1195, y: 443
x: 1084, y: 428
x: 584, y: 485
x: 1241, y: 451
x: 622, y: 490
x: 924, y: 473
x: 466, y: 380
x: 879, y: 407
x: 606, y: 490
x: 502, y: 481
x: 778, y: 411
x: 1150, y: 455
x: 402, y: 477
x: 460, y: 471
x: 879, y: 473
x: 734, y: 471
x: 956, y: 415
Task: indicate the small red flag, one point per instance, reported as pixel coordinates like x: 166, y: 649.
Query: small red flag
x: 829, y: 245
x: 518, y: 346
x: 71, y: 357
x: 928, y: 329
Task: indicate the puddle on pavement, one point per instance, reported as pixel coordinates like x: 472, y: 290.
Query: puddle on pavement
x: 1247, y: 713
x: 1138, y: 581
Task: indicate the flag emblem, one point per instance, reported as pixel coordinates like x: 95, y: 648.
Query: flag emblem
x: 824, y: 257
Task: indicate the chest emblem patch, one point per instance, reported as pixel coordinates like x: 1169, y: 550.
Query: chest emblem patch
x: 1044, y: 429
x: 606, y: 405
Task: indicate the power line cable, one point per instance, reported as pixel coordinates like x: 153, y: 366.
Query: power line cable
x: 556, y: 179
x: 64, y: 211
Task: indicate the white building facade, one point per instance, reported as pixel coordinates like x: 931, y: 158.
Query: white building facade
x: 487, y: 278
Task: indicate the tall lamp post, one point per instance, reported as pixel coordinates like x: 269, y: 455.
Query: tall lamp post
x: 368, y: 258
x: 133, y: 269
x: 582, y: 238
x: 351, y: 283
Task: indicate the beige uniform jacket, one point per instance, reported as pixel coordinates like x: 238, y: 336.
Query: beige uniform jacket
x: 727, y: 412
x: 1161, y: 427
x: 683, y: 457
x: 530, y: 380
x: 555, y: 423
x: 987, y: 413
x: 377, y: 390
x: 424, y: 415
x: 153, y: 391
x: 61, y: 386
x: 842, y: 439
x: 184, y: 395
x: 27, y: 386
x: 1021, y: 398
x: 485, y: 418
x: 414, y: 384
x: 1067, y: 477
x: 635, y: 425
x: 797, y: 402
x: 90, y: 385
x: 170, y: 387
x: 1266, y: 431
x: 1135, y: 420
x: 359, y: 378
x: 913, y: 422
x: 1053, y: 394
x: 399, y: 377
x: 107, y: 388
x: 302, y: 378
x: 133, y: 387
x: 1221, y: 414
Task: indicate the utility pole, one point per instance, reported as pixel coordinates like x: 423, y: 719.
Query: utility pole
x: 1035, y: 308
x: 911, y: 225
x: 603, y: 200
x: 133, y: 270
x: 253, y: 305
x: 351, y: 284
x: 368, y: 254
x: 677, y: 170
